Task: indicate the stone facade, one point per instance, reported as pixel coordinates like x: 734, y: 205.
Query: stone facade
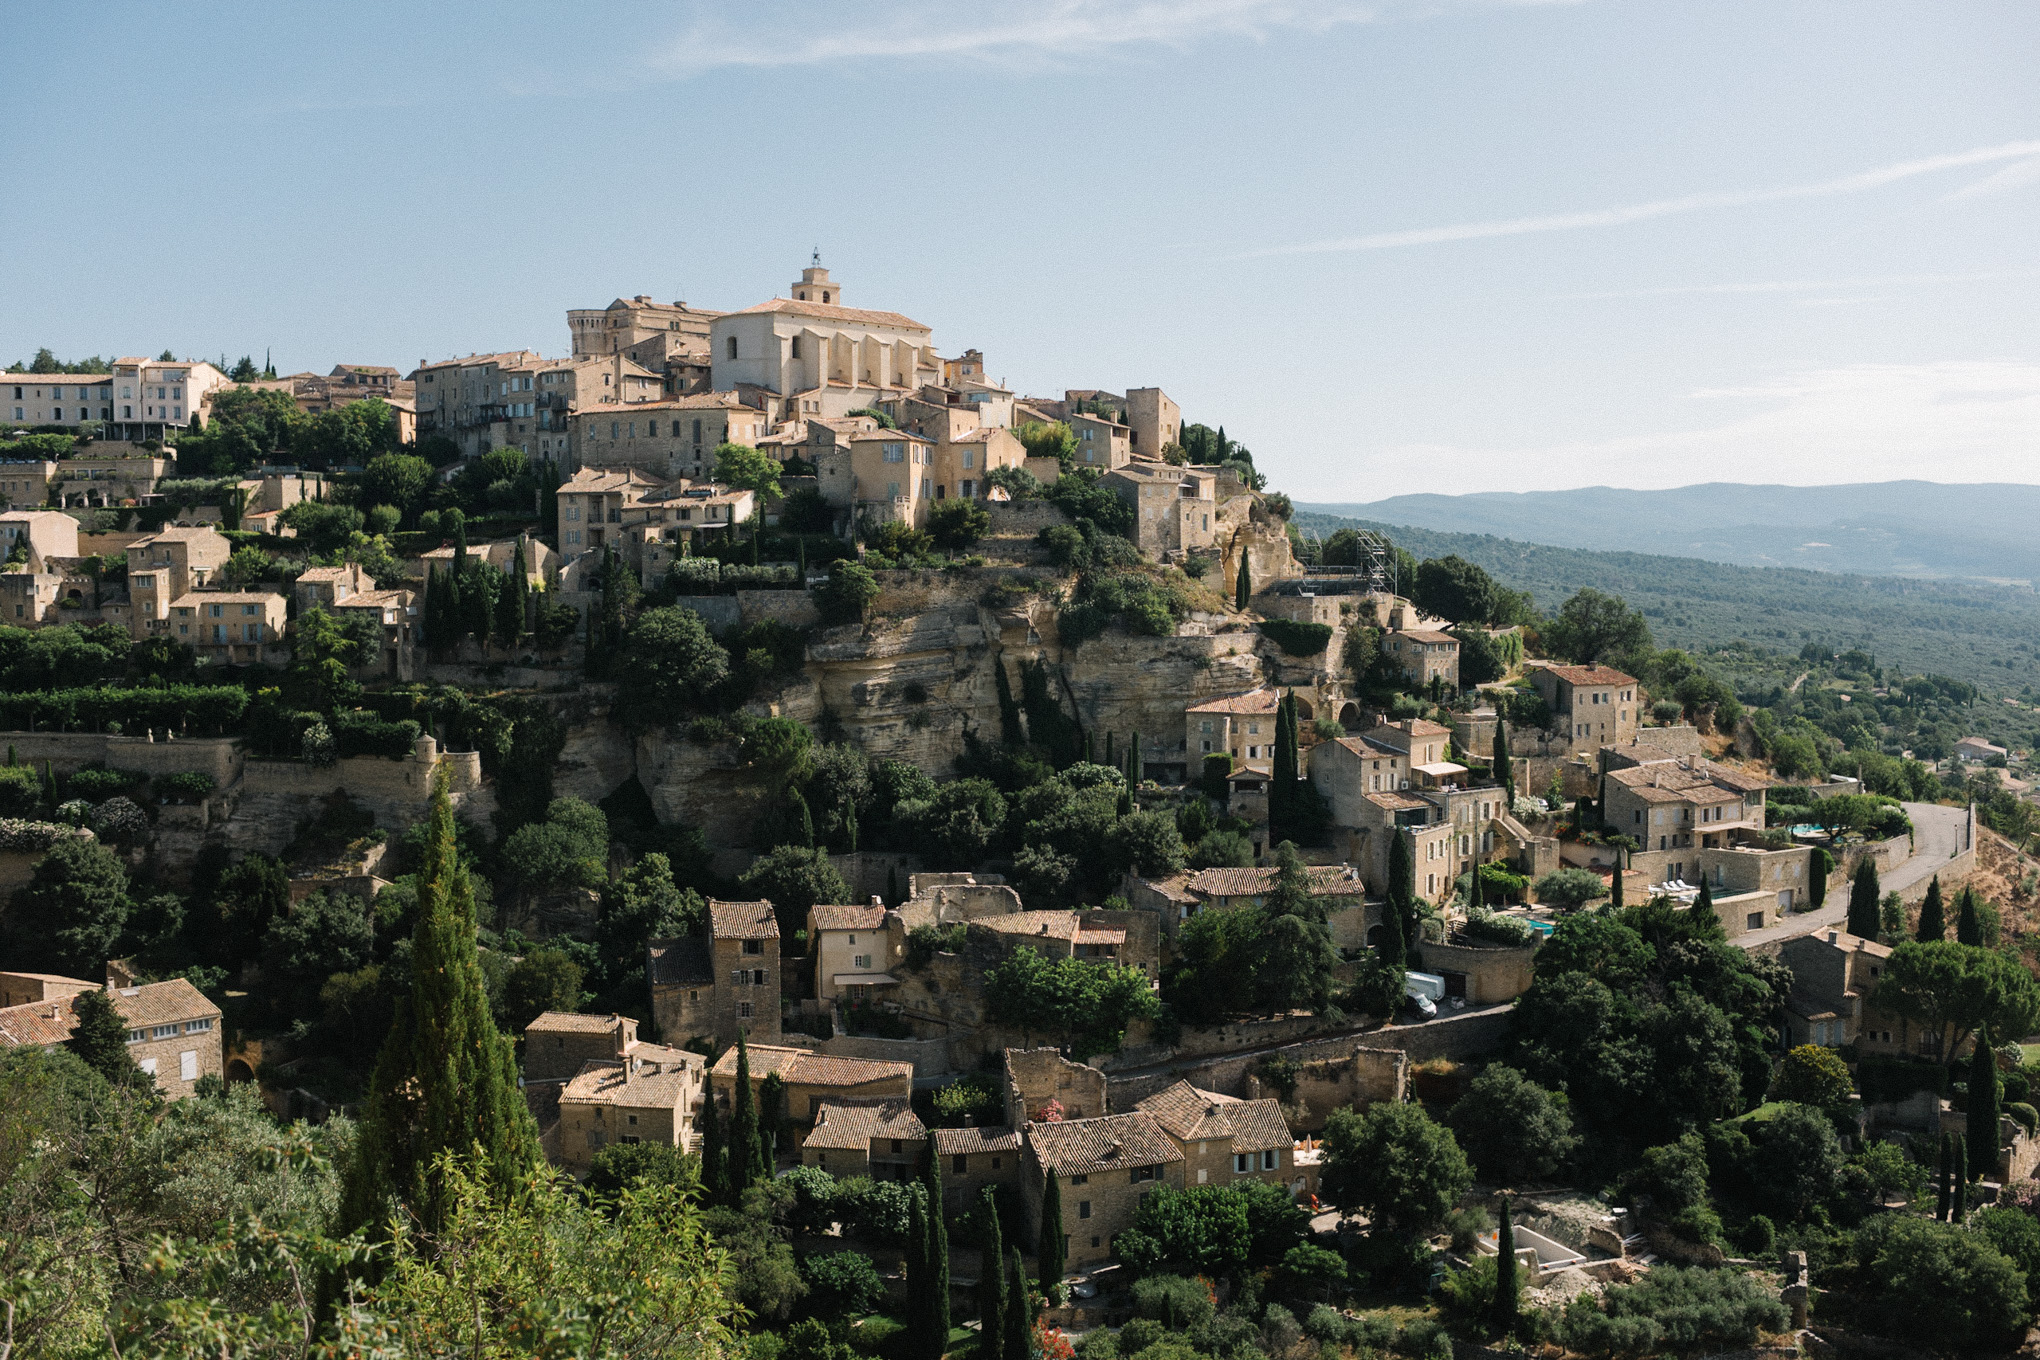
x: 1591, y: 706
x: 813, y: 1080
x: 1105, y: 1167
x: 1175, y: 510
x: 174, y: 1033
x: 652, y: 1094
x: 722, y: 984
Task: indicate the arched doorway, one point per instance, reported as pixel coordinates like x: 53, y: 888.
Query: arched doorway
x: 238, y: 1070
x: 1349, y: 716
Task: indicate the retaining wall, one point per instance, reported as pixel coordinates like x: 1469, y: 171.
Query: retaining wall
x: 67, y: 752
x: 794, y: 608
x: 930, y: 1057
x: 717, y: 611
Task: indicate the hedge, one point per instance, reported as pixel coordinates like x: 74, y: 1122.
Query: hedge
x: 1883, y: 1077
x: 357, y: 732
x: 707, y: 576
x: 1298, y: 639
x: 202, y: 709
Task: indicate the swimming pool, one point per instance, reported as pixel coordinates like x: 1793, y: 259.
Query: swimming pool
x: 1542, y: 927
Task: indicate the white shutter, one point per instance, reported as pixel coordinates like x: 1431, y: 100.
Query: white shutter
x: 187, y: 1064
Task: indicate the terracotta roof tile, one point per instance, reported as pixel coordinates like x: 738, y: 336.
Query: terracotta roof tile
x: 565, y: 1022
x: 1252, y: 701
x: 1326, y: 880
x: 1083, y: 1147
x: 1190, y: 1114
x: 854, y: 1123
x: 154, y: 1003
x: 845, y: 918
x: 633, y: 1081
x: 742, y: 920
x: 832, y: 313
x: 979, y: 1138
x: 1591, y: 675
x: 812, y: 1069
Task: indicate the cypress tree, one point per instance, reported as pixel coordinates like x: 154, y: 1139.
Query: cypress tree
x: 1243, y: 584
x: 1050, y: 1251
x: 1111, y: 751
x: 484, y: 582
x: 1506, y: 1286
x: 1019, y: 1311
x: 1474, y: 886
x: 1134, y: 772
x: 1941, y: 1172
x: 991, y: 1285
x: 446, y: 1080
x: 1615, y: 883
x: 850, y: 828
x: 1702, y: 920
x: 917, y: 1263
x: 1402, y: 887
x: 520, y: 586
x: 1087, y: 748
x: 771, y: 1120
x: 1125, y: 805
x: 99, y: 1038
x: 1968, y: 925
x: 1983, y: 1105
x: 1505, y: 765
x: 938, y: 1255
x: 1958, y: 1183
x: 800, y: 821
x: 509, y: 612
x: 715, y: 1155
x: 1282, y: 774
x: 1863, y: 895
x: 1933, y: 918
x: 743, y: 1130
x: 49, y: 786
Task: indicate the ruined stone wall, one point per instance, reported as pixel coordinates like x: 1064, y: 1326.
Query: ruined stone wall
x: 1334, y: 1081
x: 67, y: 752
x: 1035, y: 1076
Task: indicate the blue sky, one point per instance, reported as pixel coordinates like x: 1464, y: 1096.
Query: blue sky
x: 1457, y: 245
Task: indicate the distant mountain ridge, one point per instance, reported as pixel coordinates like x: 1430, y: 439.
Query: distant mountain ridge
x: 1933, y: 530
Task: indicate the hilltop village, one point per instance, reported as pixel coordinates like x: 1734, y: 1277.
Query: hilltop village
x: 1011, y: 891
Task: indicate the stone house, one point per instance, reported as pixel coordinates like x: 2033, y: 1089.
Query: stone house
x: 973, y: 1158
x: 1970, y: 750
x: 669, y: 438
x: 139, y: 400
x: 1175, y: 509
x: 854, y: 949
x: 668, y: 522
x: 1591, y: 706
x: 167, y: 566
x: 25, y: 482
x: 1060, y: 935
x: 1425, y: 745
x: 882, y: 1139
x: 1424, y: 655
x: 38, y: 534
x: 591, y: 506
x: 173, y: 1031
x: 232, y: 627
x: 892, y: 475
x: 540, y: 561
x: 1673, y: 807
x: 326, y: 587
x: 30, y: 599
x: 813, y: 1079
x: 559, y: 1043
x: 650, y: 1095
x: 1101, y: 443
x: 1240, y: 724
x: 813, y: 356
x: 722, y: 983
x: 626, y: 324
x: 1106, y: 1166
x: 1833, y: 1001
x: 21, y: 989
x: 1224, y: 1139
x: 1153, y: 421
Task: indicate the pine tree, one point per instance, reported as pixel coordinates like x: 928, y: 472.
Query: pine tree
x: 1019, y: 1310
x: 715, y: 1155
x: 743, y: 1130
x: 1863, y: 895
x: 937, y: 1319
x: 1933, y: 919
x: 1505, y: 765
x: 446, y: 1080
x: 991, y: 1285
x: 1506, y: 1286
x: 1968, y: 924
x: 1243, y: 584
x: 1983, y: 1105
x: 1050, y: 1250
x: 99, y: 1038
x: 1942, y: 1170
x: 1958, y: 1183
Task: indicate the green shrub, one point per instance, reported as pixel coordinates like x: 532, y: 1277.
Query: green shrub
x: 1482, y: 924
x: 2024, y: 1115
x: 1298, y: 639
x: 186, y: 786
x: 1176, y: 1301
x: 98, y: 785
x: 21, y: 791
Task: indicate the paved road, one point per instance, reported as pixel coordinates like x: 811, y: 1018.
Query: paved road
x: 1937, y: 838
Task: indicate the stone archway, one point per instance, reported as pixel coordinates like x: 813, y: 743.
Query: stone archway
x: 238, y: 1070
x: 1349, y: 716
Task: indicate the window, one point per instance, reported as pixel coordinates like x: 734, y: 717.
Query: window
x: 187, y: 1065
x: 134, y: 1036
x: 894, y: 453
x: 162, y: 1031
x: 1083, y: 1208
x: 1146, y: 1173
x: 861, y: 962
x: 959, y: 1164
x: 1268, y: 1160
x: 740, y: 977
x: 1080, y: 1180
x: 733, y: 347
x: 745, y: 1010
x: 757, y: 977
x: 754, y: 946
x: 1242, y: 1163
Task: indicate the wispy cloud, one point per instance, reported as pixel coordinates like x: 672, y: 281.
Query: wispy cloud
x: 2015, y: 176
x: 1056, y: 28
x: 1801, y: 285
x: 1664, y: 207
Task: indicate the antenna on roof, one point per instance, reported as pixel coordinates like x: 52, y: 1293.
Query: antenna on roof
x: 817, y: 259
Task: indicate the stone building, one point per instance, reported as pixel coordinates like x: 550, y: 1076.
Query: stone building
x: 1591, y: 706
x: 1153, y: 421
x: 1833, y: 1001
x: 1042, y: 1084
x: 1060, y: 935
x: 882, y: 1139
x: 640, y: 328
x: 854, y: 949
x: 40, y: 535
x: 559, y: 1043
x: 813, y: 1079
x: 1102, y: 443
x: 1175, y: 509
x: 666, y: 438
x: 1223, y: 1139
x: 1106, y: 1166
x: 723, y: 983
x: 652, y: 1094
x: 139, y: 400
x: 1672, y: 806
x: 1241, y: 724
x: 230, y: 627
x: 1424, y: 655
x: 165, y: 567
x: 173, y: 1031
x: 809, y: 355
x: 973, y: 1158
x: 107, y: 479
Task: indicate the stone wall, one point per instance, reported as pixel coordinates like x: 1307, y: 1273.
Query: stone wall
x: 1022, y: 519
x: 794, y: 608
x: 1493, y: 973
x: 866, y: 871
x: 1467, y: 1034
x: 930, y: 1057
x: 719, y: 612
x: 1035, y: 1076
x: 67, y: 752
x: 1355, y: 1080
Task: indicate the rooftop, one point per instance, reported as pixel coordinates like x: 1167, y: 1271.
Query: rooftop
x: 1327, y: 880
x: 42, y: 1023
x: 742, y: 920
x: 832, y: 313
x: 845, y: 918
x: 661, y: 1083
x: 565, y: 1022
x: 1082, y: 1147
x: 1188, y: 1113
x: 1263, y: 700
x: 978, y: 1138
x: 1591, y: 675
x: 798, y: 1066
x: 852, y: 1124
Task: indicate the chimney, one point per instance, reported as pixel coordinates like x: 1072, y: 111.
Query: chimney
x: 1834, y: 937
